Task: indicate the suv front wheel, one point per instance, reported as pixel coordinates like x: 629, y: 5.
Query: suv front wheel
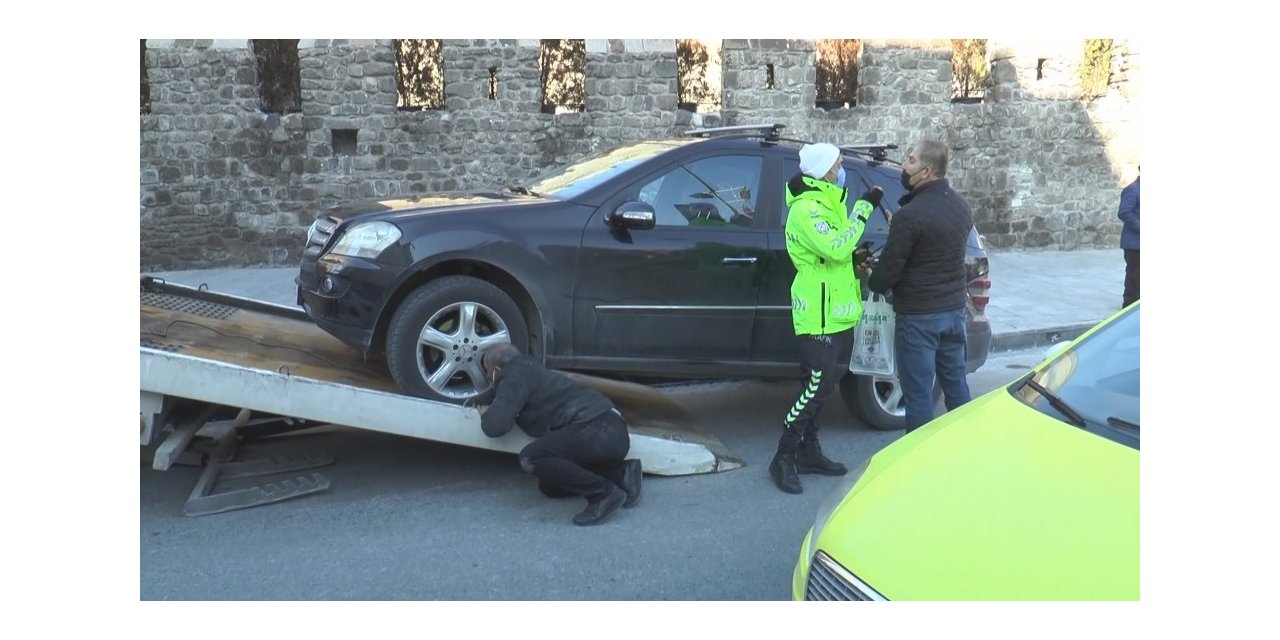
x: 439, y: 332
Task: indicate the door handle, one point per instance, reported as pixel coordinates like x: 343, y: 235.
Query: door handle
x: 734, y: 260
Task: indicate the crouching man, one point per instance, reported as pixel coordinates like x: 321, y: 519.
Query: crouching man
x: 580, y: 440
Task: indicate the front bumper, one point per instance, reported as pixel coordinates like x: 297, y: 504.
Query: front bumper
x: 801, y: 574
x: 345, y: 296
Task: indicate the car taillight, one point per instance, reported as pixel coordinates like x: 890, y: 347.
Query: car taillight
x: 980, y: 292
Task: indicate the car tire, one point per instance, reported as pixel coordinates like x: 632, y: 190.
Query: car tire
x: 878, y: 401
x: 467, y: 315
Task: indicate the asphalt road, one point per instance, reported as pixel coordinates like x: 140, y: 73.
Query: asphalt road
x: 406, y: 519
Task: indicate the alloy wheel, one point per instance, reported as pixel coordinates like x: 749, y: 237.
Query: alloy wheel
x: 450, y: 346
x: 889, y: 396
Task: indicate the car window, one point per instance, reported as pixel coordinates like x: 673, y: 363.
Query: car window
x: 1099, y: 378
x: 857, y: 183
x: 569, y: 181
x: 712, y: 192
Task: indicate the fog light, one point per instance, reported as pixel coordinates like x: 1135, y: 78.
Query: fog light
x: 327, y: 284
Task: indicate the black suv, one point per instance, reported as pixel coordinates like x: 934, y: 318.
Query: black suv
x: 662, y: 258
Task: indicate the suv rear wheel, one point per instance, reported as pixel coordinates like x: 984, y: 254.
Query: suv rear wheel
x: 440, y: 331
x: 878, y: 401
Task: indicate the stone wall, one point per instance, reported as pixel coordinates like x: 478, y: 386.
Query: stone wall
x: 225, y: 184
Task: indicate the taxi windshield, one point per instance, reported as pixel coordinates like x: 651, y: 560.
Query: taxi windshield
x: 1098, y: 379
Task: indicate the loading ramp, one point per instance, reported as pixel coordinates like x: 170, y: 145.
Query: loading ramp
x: 203, y: 352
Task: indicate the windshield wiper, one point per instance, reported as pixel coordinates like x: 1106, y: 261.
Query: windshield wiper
x: 1121, y: 422
x: 523, y: 191
x: 1058, y: 403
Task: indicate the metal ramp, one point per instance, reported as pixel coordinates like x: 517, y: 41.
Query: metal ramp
x: 204, y: 500
x: 194, y: 440
x: 202, y: 350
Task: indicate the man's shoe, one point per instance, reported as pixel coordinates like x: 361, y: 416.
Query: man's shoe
x: 600, y: 508
x: 631, y: 477
x: 809, y: 459
x: 783, y: 470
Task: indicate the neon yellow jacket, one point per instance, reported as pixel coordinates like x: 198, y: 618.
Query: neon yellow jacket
x: 825, y: 295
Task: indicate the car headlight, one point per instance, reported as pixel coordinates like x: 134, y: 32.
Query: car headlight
x: 832, y: 501
x: 366, y: 240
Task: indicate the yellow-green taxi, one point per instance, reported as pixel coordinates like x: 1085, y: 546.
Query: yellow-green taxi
x: 1029, y: 492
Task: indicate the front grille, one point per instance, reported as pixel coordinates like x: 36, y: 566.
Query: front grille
x: 830, y: 581
x: 318, y: 237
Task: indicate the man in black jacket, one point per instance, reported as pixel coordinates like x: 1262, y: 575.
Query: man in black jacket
x: 580, y: 439
x: 923, y: 264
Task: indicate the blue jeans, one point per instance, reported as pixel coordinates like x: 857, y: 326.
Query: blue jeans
x: 926, y: 344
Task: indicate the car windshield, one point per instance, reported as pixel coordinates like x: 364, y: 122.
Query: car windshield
x: 1098, y: 379
x: 566, y: 182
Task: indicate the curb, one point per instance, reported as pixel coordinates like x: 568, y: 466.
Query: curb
x: 1015, y: 340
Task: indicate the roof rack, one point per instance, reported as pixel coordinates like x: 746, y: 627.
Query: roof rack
x: 769, y: 131
x: 877, y: 152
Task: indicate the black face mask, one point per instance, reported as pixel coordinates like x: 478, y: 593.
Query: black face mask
x: 905, y: 178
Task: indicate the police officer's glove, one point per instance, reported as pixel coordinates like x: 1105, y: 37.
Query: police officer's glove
x: 873, y: 196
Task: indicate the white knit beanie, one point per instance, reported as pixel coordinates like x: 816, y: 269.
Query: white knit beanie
x: 816, y: 159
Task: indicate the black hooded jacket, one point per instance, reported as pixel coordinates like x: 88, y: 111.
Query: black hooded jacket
x: 538, y: 400
x: 923, y: 259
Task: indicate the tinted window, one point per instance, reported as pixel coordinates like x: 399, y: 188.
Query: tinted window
x: 711, y: 192
x: 1100, y: 379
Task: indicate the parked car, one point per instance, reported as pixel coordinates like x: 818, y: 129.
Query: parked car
x: 1029, y: 492
x: 661, y: 258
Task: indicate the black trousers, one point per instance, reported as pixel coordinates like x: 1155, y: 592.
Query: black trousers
x: 1130, y: 276
x: 824, y: 360
x: 583, y: 459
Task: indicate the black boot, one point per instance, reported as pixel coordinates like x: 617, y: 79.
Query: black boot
x: 809, y: 459
x: 783, y: 466
x: 783, y: 470
x: 601, y: 507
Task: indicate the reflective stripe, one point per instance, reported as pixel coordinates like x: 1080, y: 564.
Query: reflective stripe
x: 815, y: 378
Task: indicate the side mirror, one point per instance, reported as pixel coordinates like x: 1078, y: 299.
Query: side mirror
x: 632, y: 215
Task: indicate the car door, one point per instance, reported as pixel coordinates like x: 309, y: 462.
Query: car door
x: 685, y: 289
x: 774, y: 339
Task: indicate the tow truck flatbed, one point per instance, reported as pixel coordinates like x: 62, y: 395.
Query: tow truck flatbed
x: 208, y: 347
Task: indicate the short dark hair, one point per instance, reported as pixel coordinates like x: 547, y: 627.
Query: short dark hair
x: 933, y: 154
x: 499, y: 355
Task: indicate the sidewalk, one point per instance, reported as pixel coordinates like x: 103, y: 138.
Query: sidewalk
x: 1041, y: 297
x: 1037, y: 297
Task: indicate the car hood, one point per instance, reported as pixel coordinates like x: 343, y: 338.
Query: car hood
x: 994, y: 501
x: 412, y: 206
